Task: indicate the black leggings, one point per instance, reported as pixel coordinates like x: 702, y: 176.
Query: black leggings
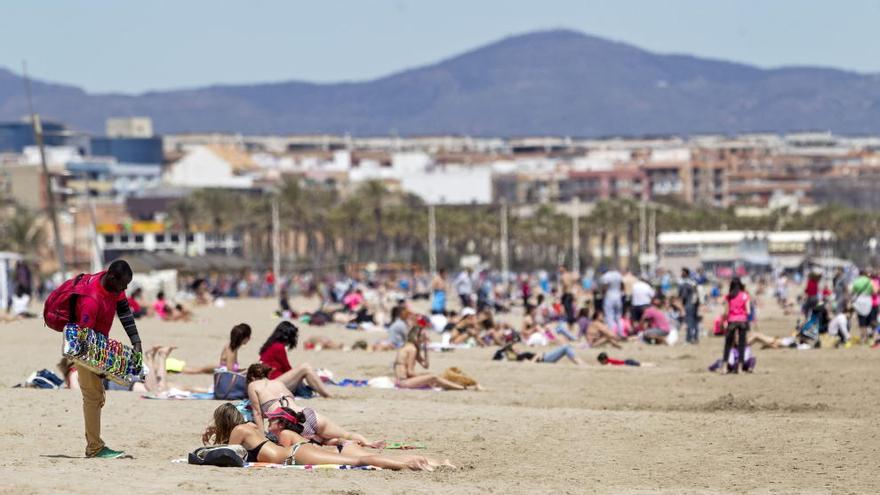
x: 734, y: 328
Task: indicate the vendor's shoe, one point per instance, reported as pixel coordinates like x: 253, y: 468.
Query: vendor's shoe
x: 108, y: 453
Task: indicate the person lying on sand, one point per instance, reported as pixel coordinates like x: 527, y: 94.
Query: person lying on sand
x: 605, y: 360
x: 512, y: 352
x: 415, y: 351
x: 230, y: 427
x: 290, y: 428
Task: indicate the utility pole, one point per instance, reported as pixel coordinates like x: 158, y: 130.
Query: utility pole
x: 432, y: 239
x: 652, y: 238
x: 276, y: 244
x: 50, y: 195
x: 575, y: 236
x: 505, y: 254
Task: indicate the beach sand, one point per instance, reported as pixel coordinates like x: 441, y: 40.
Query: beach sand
x: 804, y: 422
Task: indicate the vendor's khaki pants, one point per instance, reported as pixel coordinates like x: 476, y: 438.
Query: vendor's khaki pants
x: 92, y: 387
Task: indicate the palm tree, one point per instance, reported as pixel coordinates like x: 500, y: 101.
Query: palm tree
x: 23, y: 232
x: 220, y: 207
x: 183, y: 211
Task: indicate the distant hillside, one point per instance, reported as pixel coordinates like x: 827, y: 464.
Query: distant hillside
x: 553, y: 82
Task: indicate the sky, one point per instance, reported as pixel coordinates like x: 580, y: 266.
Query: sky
x: 136, y: 46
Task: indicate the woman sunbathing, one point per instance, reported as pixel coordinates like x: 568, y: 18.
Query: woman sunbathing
x: 291, y: 428
x: 413, y: 351
x: 271, y: 395
x: 230, y: 427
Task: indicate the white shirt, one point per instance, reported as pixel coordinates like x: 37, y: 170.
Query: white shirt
x: 613, y: 280
x: 642, y: 293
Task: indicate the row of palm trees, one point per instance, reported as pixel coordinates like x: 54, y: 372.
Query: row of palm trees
x: 323, y: 228
x: 326, y: 228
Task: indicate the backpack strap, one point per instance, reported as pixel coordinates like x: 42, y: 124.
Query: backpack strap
x: 74, y: 298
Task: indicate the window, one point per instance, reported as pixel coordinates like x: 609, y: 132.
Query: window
x: 175, y: 238
x: 139, y: 238
x: 108, y: 238
x: 160, y: 238
x: 123, y: 238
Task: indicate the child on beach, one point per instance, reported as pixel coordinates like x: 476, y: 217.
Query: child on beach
x: 605, y: 360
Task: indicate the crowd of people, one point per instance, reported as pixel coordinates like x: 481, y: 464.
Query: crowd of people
x: 555, y: 317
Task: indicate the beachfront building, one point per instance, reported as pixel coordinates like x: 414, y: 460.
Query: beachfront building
x: 729, y: 251
x: 115, y: 240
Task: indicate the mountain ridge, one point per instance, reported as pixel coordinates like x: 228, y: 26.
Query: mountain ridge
x: 558, y: 82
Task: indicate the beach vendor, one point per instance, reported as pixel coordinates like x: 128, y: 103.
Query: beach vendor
x: 101, y: 297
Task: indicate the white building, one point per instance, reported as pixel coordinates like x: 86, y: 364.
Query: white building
x: 212, y: 166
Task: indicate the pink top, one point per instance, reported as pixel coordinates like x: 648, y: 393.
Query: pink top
x: 160, y: 309
x: 737, y: 307
x: 656, y: 319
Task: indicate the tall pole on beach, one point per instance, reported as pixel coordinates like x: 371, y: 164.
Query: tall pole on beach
x: 643, y: 235
x: 50, y: 196
x: 432, y: 239
x: 652, y: 238
x: 575, y: 236
x: 276, y: 244
x: 505, y: 254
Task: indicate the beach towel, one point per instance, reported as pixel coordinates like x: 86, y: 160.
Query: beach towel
x: 303, y: 467
x: 349, y: 382
x: 179, y: 395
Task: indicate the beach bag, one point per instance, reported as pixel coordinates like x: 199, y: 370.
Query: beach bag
x: 60, y: 306
x: 862, y: 305
x: 44, y: 379
x: 219, y: 455
x: 229, y: 386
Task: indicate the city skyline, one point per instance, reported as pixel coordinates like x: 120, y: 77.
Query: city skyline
x: 274, y: 41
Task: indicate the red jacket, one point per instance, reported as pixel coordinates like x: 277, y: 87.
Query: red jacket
x: 275, y: 357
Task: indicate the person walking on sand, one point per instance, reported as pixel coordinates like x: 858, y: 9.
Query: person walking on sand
x: 100, y: 297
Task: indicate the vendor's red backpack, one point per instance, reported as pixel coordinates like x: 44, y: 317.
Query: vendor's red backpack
x: 60, y: 306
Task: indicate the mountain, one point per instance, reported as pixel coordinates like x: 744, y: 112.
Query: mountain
x: 551, y: 82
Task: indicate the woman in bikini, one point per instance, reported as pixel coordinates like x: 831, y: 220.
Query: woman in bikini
x: 291, y: 428
x: 238, y: 337
x: 230, y: 427
x: 272, y: 395
x: 414, y: 351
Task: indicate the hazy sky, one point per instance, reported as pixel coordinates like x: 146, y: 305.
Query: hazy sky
x: 133, y: 46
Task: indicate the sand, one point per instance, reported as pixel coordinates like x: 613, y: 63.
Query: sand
x: 805, y: 422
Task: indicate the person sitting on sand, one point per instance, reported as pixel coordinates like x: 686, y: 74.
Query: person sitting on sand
x: 270, y: 395
x: 466, y: 329
x: 268, y: 392
x: 274, y: 355
x: 138, y: 310
x: 230, y: 427
x: 655, y: 322
x: 415, y: 351
x: 238, y: 336
x: 598, y: 333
